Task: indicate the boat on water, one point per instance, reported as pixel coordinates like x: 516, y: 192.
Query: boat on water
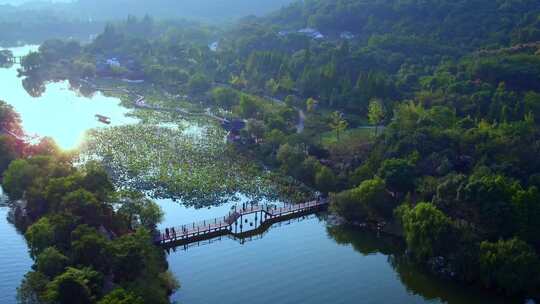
x: 103, y: 119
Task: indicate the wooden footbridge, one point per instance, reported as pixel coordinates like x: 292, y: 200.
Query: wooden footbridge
x: 235, y: 223
x: 14, y: 59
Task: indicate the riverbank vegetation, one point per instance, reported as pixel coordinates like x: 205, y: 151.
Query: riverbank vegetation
x: 455, y: 84
x: 90, y: 242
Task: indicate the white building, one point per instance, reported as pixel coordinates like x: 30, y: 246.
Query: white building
x: 214, y: 46
x: 347, y: 35
x: 113, y: 62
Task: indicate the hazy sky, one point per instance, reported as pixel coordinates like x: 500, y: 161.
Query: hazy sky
x: 17, y: 2
x: 206, y: 10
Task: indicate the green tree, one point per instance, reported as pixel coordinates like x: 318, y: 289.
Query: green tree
x: 40, y: 236
x: 51, y: 230
x: 139, y: 210
x: 532, y: 104
x: 121, y: 296
x: 347, y: 205
x: 96, y: 180
x: 198, y: 84
x: 290, y: 158
x: 376, y: 113
x: 510, y: 265
x: 291, y: 101
x: 31, y: 62
x: 10, y: 121
x: 18, y: 177
x: 128, y: 258
x: 325, y: 179
x: 398, y: 175
x: 311, y: 104
x: 256, y: 128
x: 248, y: 107
x: 51, y: 262
x: 6, y: 57
x: 225, y: 97
x: 32, y: 289
x: 310, y: 167
x: 33, y: 174
x: 372, y: 194
x: 369, y: 201
x: 45, y: 146
x: 316, y: 126
x: 239, y: 81
x: 490, y: 196
x: 526, y: 205
x: 85, y: 206
x: 427, y: 230
x: 337, y: 123
x: 272, y: 86
x: 90, y: 248
x: 8, y: 153
x: 75, y: 286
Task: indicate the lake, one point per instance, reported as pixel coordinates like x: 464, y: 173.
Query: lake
x: 306, y: 260
x: 59, y: 112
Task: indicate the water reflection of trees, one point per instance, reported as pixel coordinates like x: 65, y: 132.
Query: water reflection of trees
x: 34, y: 85
x: 6, y: 65
x: 415, y: 280
x: 81, y: 89
x: 365, y: 241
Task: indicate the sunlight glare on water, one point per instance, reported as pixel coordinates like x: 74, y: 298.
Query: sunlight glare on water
x: 59, y: 113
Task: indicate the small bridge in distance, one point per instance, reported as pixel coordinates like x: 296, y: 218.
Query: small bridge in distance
x: 15, y: 59
x: 233, y: 223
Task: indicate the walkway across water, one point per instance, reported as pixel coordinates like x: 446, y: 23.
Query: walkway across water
x: 233, y: 223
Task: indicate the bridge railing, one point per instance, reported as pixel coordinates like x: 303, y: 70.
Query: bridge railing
x: 206, y: 223
x: 232, y: 216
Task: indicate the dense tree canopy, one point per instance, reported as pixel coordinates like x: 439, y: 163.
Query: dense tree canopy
x: 455, y: 84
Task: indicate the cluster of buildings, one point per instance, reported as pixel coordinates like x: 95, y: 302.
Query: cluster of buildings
x: 309, y: 32
x: 315, y: 34
x: 234, y: 127
x: 214, y: 46
x: 120, y: 66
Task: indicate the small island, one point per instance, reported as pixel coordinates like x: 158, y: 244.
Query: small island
x: 6, y: 57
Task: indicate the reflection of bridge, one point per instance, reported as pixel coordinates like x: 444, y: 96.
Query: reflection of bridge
x: 260, y: 234
x: 264, y: 215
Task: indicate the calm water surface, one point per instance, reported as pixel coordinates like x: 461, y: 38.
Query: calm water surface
x: 302, y: 261
x: 59, y: 112
x: 14, y: 258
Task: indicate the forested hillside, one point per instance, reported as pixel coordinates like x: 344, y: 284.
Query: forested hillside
x: 36, y: 21
x: 450, y: 88
x: 462, y: 23
x: 208, y: 10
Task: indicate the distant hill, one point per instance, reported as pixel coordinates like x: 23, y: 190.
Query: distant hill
x: 33, y: 21
x: 208, y: 10
x: 462, y: 23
